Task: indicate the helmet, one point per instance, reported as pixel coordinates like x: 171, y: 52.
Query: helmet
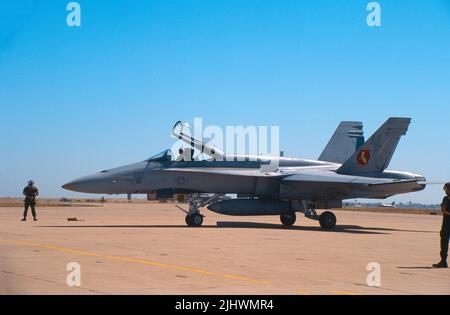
x: 447, y: 185
x: 30, y: 182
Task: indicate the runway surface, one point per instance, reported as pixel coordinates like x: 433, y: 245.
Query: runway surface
x: 140, y: 248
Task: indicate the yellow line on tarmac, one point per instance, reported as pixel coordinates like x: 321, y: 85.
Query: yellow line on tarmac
x: 346, y: 293
x: 300, y: 292
x: 136, y: 260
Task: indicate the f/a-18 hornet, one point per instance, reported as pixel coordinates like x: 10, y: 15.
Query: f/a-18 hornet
x: 348, y: 168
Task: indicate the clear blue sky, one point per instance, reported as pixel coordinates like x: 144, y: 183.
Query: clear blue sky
x: 77, y: 100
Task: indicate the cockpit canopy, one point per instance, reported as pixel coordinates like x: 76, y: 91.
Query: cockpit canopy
x: 162, y: 156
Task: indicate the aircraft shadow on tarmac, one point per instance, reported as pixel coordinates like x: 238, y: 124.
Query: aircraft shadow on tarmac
x: 416, y: 267
x: 354, y: 229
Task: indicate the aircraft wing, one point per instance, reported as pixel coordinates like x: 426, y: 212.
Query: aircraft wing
x: 245, y: 181
x: 293, y: 177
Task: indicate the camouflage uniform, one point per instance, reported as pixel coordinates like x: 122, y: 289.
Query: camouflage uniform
x: 30, y: 193
x: 445, y: 230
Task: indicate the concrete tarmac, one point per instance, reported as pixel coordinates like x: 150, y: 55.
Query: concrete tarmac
x: 140, y: 248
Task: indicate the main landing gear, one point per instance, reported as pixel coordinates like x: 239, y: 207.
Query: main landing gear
x: 327, y: 219
x: 288, y: 219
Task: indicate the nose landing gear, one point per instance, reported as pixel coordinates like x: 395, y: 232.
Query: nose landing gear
x: 193, y: 217
x: 194, y: 220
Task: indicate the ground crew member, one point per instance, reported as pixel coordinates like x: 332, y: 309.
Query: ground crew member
x: 30, y: 192
x: 445, y: 230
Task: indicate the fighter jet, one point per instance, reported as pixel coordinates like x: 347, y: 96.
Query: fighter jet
x: 348, y: 168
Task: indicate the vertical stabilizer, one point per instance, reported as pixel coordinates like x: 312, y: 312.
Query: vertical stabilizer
x: 347, y: 138
x: 376, y: 153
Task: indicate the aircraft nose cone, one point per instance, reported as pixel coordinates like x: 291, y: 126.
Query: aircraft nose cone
x: 87, y: 184
x: 68, y: 186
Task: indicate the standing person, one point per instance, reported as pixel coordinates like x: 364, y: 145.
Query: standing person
x: 30, y: 192
x: 445, y: 230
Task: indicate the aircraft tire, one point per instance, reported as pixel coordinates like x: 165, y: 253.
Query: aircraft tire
x: 327, y: 220
x: 194, y: 220
x: 288, y: 219
x: 187, y: 219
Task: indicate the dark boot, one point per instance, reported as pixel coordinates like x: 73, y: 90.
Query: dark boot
x: 34, y: 219
x: 441, y: 264
x: 24, y: 219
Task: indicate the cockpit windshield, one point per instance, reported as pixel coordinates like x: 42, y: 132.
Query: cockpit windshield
x: 162, y: 156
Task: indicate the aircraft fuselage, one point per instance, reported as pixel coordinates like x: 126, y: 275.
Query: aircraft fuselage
x: 152, y: 176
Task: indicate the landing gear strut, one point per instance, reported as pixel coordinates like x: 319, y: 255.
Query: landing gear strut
x: 193, y: 217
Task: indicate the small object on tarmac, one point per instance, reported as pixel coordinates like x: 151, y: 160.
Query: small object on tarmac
x: 72, y: 219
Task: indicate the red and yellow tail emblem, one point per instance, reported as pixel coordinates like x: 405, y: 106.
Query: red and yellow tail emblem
x: 363, y: 157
